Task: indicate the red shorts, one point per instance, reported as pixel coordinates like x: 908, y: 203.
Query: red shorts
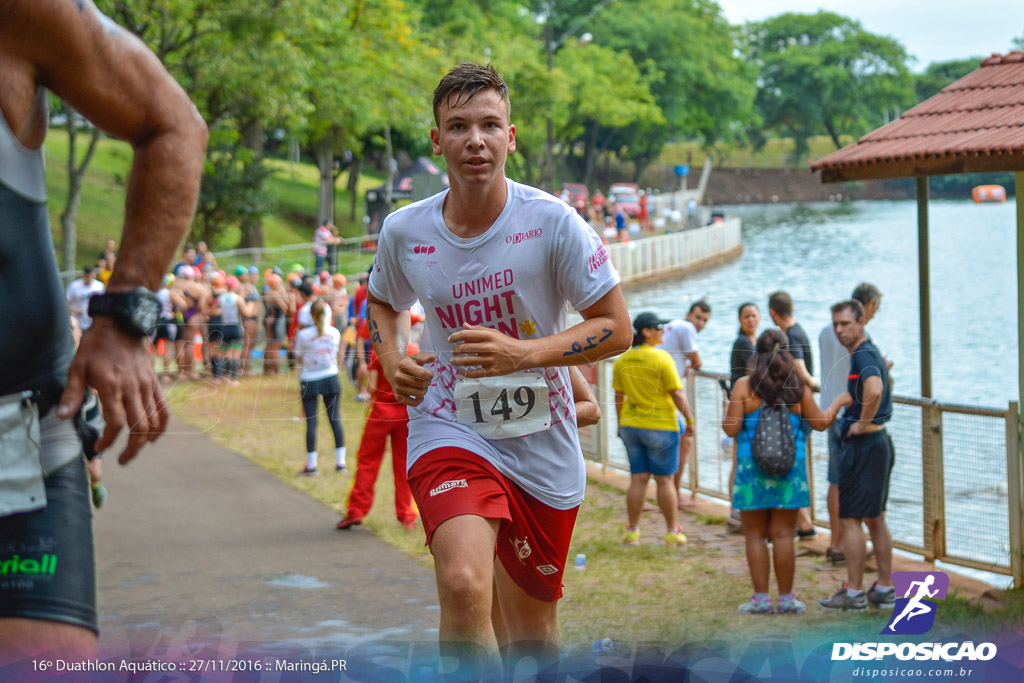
x: 533, y: 539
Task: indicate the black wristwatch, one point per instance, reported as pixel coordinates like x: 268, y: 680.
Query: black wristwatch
x: 136, y: 311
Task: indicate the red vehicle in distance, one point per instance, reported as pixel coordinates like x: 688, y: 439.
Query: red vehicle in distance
x: 576, y: 190
x: 627, y: 196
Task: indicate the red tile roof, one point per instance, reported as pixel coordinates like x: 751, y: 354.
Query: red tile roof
x: 975, y: 124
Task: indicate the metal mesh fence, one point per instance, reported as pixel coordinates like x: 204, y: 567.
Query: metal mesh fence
x: 948, y: 493
x: 974, y: 463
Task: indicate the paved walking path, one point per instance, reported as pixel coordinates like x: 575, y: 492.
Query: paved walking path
x: 198, y: 545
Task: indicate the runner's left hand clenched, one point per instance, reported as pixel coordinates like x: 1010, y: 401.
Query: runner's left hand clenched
x: 488, y: 352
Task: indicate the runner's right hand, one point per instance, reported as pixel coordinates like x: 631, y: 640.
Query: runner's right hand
x: 411, y: 378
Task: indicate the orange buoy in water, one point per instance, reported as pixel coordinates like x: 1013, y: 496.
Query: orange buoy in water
x: 988, y: 193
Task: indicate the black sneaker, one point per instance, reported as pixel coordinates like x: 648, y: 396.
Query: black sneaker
x: 881, y: 599
x: 308, y: 471
x: 339, y: 468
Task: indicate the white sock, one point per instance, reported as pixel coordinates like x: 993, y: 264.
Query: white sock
x: 311, y: 460
x: 852, y: 593
x: 339, y: 456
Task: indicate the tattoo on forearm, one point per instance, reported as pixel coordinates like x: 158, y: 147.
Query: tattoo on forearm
x: 591, y: 342
x: 375, y: 331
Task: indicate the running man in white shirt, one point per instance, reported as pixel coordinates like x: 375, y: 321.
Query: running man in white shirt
x: 494, y: 458
x: 680, y: 341
x: 78, y: 294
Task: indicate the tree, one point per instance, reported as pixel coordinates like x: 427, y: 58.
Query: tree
x: 608, y: 93
x: 685, y: 49
x: 76, y: 173
x: 940, y: 74
x: 823, y: 73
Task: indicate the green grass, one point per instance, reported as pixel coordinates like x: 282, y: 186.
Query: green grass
x: 775, y: 153
x: 294, y: 187
x: 638, y: 594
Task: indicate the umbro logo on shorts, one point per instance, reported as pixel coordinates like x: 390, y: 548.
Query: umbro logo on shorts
x: 452, y: 484
x: 547, y: 569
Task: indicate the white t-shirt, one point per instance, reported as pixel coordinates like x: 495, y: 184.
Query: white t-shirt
x: 78, y: 296
x: 318, y: 354
x: 680, y: 339
x: 163, y: 295
x: 515, y: 278
x: 835, y: 366
x: 320, y: 237
x: 306, y: 316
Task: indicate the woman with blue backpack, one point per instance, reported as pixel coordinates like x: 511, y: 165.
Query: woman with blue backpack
x: 771, y: 413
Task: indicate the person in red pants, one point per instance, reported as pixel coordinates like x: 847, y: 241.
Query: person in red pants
x: 387, y: 417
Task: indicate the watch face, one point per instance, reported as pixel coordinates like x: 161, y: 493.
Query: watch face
x: 146, y: 313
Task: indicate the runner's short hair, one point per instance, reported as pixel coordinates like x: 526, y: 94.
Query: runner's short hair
x: 464, y: 82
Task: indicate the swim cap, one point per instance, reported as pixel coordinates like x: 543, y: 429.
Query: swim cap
x: 231, y: 281
x: 253, y: 270
x: 218, y: 280
x: 168, y: 280
x: 186, y: 272
x: 296, y: 268
x: 339, y: 281
x: 240, y: 270
x: 324, y: 276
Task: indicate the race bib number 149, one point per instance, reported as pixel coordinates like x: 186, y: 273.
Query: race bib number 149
x: 504, y: 407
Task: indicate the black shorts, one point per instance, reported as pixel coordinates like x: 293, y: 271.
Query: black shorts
x: 865, y: 464
x: 226, y: 333
x: 166, y: 329
x: 47, y: 556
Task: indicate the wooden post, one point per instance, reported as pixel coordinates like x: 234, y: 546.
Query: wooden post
x: 924, y: 286
x: 934, y: 483
x: 1015, y: 493
x: 693, y: 457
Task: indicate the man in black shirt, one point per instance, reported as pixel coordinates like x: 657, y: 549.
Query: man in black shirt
x: 780, y: 307
x: 865, y: 464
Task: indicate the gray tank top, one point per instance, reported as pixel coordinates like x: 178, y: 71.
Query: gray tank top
x: 34, y: 330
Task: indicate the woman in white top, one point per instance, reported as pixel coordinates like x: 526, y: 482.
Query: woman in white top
x: 316, y: 349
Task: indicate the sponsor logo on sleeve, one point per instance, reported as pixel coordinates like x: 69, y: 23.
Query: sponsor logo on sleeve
x: 598, y: 259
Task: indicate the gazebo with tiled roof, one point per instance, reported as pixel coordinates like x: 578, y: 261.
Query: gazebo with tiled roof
x: 973, y: 125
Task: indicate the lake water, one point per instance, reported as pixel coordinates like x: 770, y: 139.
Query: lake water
x: 819, y: 252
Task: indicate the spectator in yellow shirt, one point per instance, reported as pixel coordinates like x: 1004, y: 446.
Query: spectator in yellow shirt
x: 648, y: 392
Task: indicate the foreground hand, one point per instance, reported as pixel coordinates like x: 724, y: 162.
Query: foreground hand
x: 117, y: 367
x: 856, y: 428
x: 411, y: 379
x: 488, y: 351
